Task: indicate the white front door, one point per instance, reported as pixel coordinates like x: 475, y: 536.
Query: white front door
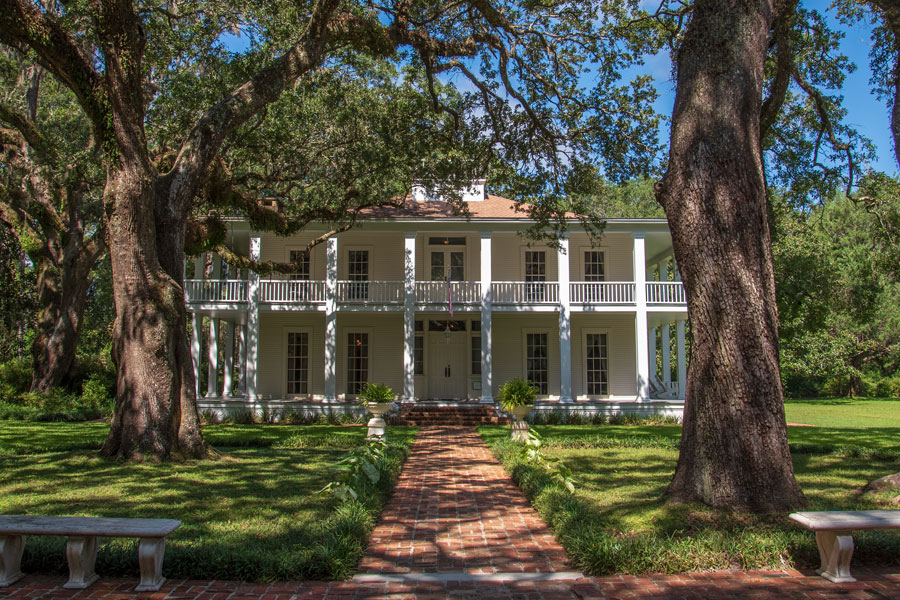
x: 447, y: 365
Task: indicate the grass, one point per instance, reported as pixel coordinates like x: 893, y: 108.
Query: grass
x: 251, y: 514
x: 844, y: 412
x: 617, y: 520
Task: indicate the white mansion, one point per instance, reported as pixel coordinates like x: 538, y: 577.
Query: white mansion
x: 440, y: 307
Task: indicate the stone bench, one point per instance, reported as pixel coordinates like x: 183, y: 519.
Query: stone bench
x: 81, y: 549
x: 833, y: 535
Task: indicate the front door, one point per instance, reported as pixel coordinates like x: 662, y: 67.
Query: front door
x: 447, y: 365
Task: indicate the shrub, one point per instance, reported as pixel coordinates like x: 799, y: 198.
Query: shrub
x: 209, y: 417
x: 888, y: 387
x: 376, y: 393
x: 516, y: 392
x: 98, y: 395
x: 15, y: 379
x: 241, y: 416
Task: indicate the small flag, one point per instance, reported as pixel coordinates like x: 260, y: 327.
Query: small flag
x: 449, y: 293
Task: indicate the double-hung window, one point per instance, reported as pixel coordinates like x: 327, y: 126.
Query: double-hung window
x: 596, y: 366
x: 535, y: 275
x: 537, y: 361
x: 357, y: 361
x: 358, y: 274
x: 297, y: 363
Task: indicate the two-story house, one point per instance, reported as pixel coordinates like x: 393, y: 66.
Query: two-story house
x: 441, y: 307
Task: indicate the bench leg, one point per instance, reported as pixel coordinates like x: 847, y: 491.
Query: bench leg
x: 835, y: 550
x: 11, y: 548
x: 81, y: 552
x: 150, y: 557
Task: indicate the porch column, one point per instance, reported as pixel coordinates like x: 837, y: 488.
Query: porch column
x: 409, y: 317
x: 486, y: 311
x: 331, y: 269
x: 242, y: 358
x: 228, y: 373
x: 666, y: 341
x: 682, y: 358
x: 640, y: 316
x: 252, y: 356
x: 565, y: 322
x: 212, y: 374
x: 197, y: 326
x: 651, y: 352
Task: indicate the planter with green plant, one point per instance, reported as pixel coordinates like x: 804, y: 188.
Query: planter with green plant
x: 517, y: 397
x: 377, y: 398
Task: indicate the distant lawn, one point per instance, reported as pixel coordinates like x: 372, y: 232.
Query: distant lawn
x: 617, y: 520
x: 844, y: 412
x: 250, y: 514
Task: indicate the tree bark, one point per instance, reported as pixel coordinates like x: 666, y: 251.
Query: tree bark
x: 156, y: 415
x: 734, y: 452
x: 62, y: 294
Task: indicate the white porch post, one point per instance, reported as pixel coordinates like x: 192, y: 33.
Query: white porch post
x: 409, y: 317
x: 682, y: 359
x: 252, y: 351
x: 331, y: 268
x: 651, y: 352
x: 565, y: 323
x: 486, y: 311
x: 640, y: 316
x: 228, y: 373
x: 197, y: 329
x: 212, y: 373
x: 242, y: 359
x: 666, y: 341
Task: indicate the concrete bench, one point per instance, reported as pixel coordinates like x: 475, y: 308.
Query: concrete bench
x: 81, y: 549
x: 833, y: 535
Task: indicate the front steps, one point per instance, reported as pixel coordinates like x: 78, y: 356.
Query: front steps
x: 450, y: 415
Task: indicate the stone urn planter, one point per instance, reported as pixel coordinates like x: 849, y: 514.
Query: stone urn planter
x: 519, y: 426
x: 376, y: 423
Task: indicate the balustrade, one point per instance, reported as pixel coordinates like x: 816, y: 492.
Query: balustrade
x: 435, y: 292
x: 525, y: 292
x: 665, y: 292
x: 285, y: 291
x: 602, y: 292
x: 215, y: 290
x: 370, y: 292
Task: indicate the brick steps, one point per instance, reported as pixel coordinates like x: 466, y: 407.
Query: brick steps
x: 419, y: 415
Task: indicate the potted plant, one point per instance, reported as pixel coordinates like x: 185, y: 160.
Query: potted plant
x: 517, y: 396
x: 377, y: 398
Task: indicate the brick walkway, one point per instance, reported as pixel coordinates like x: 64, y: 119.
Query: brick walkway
x: 455, y: 509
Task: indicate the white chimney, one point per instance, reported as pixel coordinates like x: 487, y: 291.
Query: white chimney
x: 474, y: 193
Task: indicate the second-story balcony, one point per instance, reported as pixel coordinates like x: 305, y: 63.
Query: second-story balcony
x: 432, y: 295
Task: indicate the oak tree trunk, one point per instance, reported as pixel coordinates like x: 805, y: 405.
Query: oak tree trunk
x: 734, y: 450
x: 62, y: 294
x: 156, y: 415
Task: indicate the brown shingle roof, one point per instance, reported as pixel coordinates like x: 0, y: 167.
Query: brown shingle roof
x: 492, y: 207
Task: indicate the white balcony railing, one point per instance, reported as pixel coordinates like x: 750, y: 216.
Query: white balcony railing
x: 435, y: 292
x: 602, y: 292
x: 215, y: 290
x: 665, y: 292
x: 282, y: 291
x: 525, y: 292
x: 370, y: 292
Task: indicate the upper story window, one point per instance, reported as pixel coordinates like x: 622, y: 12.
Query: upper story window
x: 535, y: 271
x: 594, y: 267
x: 358, y: 271
x: 448, y: 263
x: 301, y: 257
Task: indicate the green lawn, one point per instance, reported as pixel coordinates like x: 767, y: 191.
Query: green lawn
x: 252, y: 513
x: 844, y: 412
x: 617, y: 520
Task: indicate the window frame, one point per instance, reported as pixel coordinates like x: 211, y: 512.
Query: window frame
x: 345, y: 332
x: 584, y: 367
x: 285, y: 371
x: 525, y: 334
